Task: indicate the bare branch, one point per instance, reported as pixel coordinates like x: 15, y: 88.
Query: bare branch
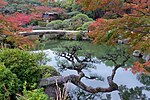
x: 77, y: 81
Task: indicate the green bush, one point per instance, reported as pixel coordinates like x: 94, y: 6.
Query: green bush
x: 76, y: 7
x: 56, y: 24
x: 68, y: 5
x: 82, y: 17
x: 18, y: 66
x: 67, y: 24
x: 36, y: 94
x: 79, y: 36
x: 21, y: 63
x: 9, y: 83
x: 34, y: 22
x: 71, y: 14
x: 42, y: 24
x: 75, y: 22
x: 85, y: 26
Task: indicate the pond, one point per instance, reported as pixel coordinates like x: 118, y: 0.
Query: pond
x: 131, y: 86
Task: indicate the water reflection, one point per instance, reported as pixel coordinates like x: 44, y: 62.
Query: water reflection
x: 144, y: 79
x: 131, y: 86
x: 135, y: 93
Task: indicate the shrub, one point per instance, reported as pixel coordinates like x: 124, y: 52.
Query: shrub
x: 42, y: 24
x: 9, y: 83
x: 37, y: 94
x: 21, y: 63
x: 20, y: 66
x: 85, y: 26
x: 76, y: 7
x: 71, y: 14
x: 34, y: 22
x: 67, y: 24
x: 82, y: 17
x: 75, y: 22
x: 79, y: 36
x: 70, y: 36
x: 56, y: 24
x: 67, y: 4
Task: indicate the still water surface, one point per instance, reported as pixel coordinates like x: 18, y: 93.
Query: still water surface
x: 123, y: 77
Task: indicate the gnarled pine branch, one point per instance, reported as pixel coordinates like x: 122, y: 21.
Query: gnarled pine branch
x: 71, y: 55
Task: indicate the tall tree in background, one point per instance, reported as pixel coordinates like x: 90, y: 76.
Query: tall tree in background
x: 2, y: 3
x: 10, y: 27
x: 134, y: 23
x: 130, y: 24
x: 16, y: 19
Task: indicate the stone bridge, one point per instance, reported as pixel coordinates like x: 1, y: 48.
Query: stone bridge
x: 42, y: 32
x: 49, y: 33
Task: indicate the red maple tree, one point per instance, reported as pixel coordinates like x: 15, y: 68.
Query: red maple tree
x: 132, y: 24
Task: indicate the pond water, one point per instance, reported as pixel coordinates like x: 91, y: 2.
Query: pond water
x: 132, y: 86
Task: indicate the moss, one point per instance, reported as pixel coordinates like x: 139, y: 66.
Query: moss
x: 48, y: 71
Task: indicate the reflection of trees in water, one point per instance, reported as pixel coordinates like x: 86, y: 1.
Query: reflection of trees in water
x: 132, y: 93
x: 144, y: 79
x: 83, y: 95
x: 124, y: 93
x: 74, y: 61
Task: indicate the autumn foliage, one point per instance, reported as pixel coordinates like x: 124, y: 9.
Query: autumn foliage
x: 10, y: 26
x: 98, y: 23
x: 2, y: 3
x: 141, y: 68
x: 127, y: 27
x: 10, y: 31
x: 13, y: 23
x: 130, y: 23
x: 41, y: 9
x: 115, y: 6
x: 19, y: 18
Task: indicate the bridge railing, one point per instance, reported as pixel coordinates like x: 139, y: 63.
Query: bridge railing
x: 39, y: 32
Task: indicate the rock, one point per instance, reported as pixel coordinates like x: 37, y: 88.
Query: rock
x: 51, y: 92
x: 120, y: 42
x: 74, y: 37
x: 137, y: 53
x: 146, y: 57
x: 126, y: 41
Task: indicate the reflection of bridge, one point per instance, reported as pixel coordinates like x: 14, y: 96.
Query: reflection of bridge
x: 42, y: 32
